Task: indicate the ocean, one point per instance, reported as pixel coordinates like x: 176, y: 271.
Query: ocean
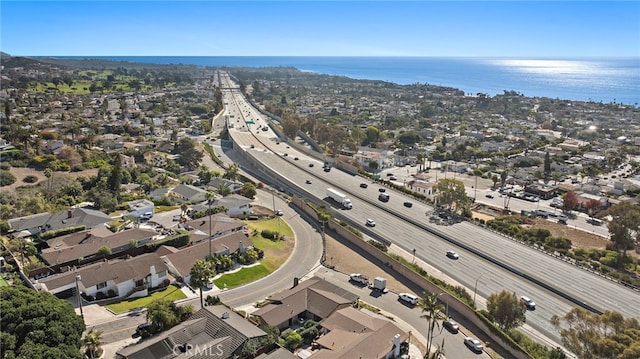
x: 604, y: 80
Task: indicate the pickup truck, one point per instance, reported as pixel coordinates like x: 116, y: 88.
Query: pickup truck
x: 359, y: 278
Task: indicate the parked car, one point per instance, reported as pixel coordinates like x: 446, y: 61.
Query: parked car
x: 393, y: 178
x: 473, y: 344
x: 144, y: 327
x: 528, y: 302
x: 409, y: 298
x: 452, y: 254
x: 363, y: 185
x: 310, y: 164
x: 279, y: 213
x: 488, y: 195
x: 451, y: 325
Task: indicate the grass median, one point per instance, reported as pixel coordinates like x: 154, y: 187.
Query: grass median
x: 276, y: 253
x: 171, y: 293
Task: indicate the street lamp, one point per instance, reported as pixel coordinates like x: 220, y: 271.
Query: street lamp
x: 475, y: 287
x: 78, y: 279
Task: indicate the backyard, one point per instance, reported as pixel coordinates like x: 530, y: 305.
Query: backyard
x: 276, y: 253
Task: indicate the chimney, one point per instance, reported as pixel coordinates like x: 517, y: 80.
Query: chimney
x: 69, y: 214
x: 296, y: 281
x: 240, y: 247
x: 396, y: 345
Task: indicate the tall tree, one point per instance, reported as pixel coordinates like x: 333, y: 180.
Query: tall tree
x: 570, y: 201
x: 431, y: 311
x: 201, y: 273
x: 161, y: 315
x: 598, y: 336
x: 190, y: 157
x: 451, y: 193
x: 624, y: 228
x: 115, y: 176
x: 38, y: 325
x: 232, y: 172
x: 506, y: 309
x: 547, y: 164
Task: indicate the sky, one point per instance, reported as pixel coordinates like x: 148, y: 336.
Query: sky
x: 528, y: 29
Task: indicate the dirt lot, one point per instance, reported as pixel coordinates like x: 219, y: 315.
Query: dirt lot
x: 579, y: 239
x: 346, y: 260
x: 21, y: 172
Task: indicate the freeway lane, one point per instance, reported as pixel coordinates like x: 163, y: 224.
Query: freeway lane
x: 595, y: 290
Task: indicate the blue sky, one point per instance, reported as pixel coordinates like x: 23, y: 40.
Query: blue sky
x: 323, y: 28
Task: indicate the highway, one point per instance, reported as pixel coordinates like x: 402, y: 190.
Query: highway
x: 470, y: 270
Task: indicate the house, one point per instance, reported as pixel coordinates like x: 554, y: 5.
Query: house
x: 41, y: 222
x: 220, y: 225
x: 314, y: 298
x: 235, y: 204
x: 180, y: 261
x: 131, y: 277
x: 63, y: 251
x: 350, y: 333
x: 139, y: 207
x: 212, y: 332
x: 127, y: 161
x: 188, y: 193
x: 420, y: 186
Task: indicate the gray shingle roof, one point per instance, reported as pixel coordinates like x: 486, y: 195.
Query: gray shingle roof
x: 215, y: 327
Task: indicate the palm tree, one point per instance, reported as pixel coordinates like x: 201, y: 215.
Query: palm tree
x: 201, y: 272
x: 92, y: 342
x: 224, y: 190
x: 432, y: 312
x: 232, y: 172
x: 210, y: 196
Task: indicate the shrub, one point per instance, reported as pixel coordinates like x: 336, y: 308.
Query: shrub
x: 269, y: 234
x: 381, y: 246
x: 6, y: 178
x: 30, y: 179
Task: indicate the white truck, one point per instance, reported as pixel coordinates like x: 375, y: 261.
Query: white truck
x: 339, y: 197
x: 359, y: 278
x: 380, y: 284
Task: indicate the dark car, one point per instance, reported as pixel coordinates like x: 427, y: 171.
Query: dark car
x: 408, y: 204
x: 383, y: 197
x: 310, y: 164
x: 363, y: 185
x: 489, y: 195
x: 452, y: 254
x: 308, y: 181
x: 381, y: 189
x: 142, y: 328
x: 451, y: 326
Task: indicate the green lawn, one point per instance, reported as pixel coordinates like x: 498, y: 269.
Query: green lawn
x: 3, y: 282
x: 275, y: 253
x: 172, y: 293
x: 243, y: 276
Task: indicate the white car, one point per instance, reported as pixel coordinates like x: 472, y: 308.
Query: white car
x: 279, y: 213
x: 371, y: 222
x: 409, y: 298
x: 473, y: 344
x: 528, y: 302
